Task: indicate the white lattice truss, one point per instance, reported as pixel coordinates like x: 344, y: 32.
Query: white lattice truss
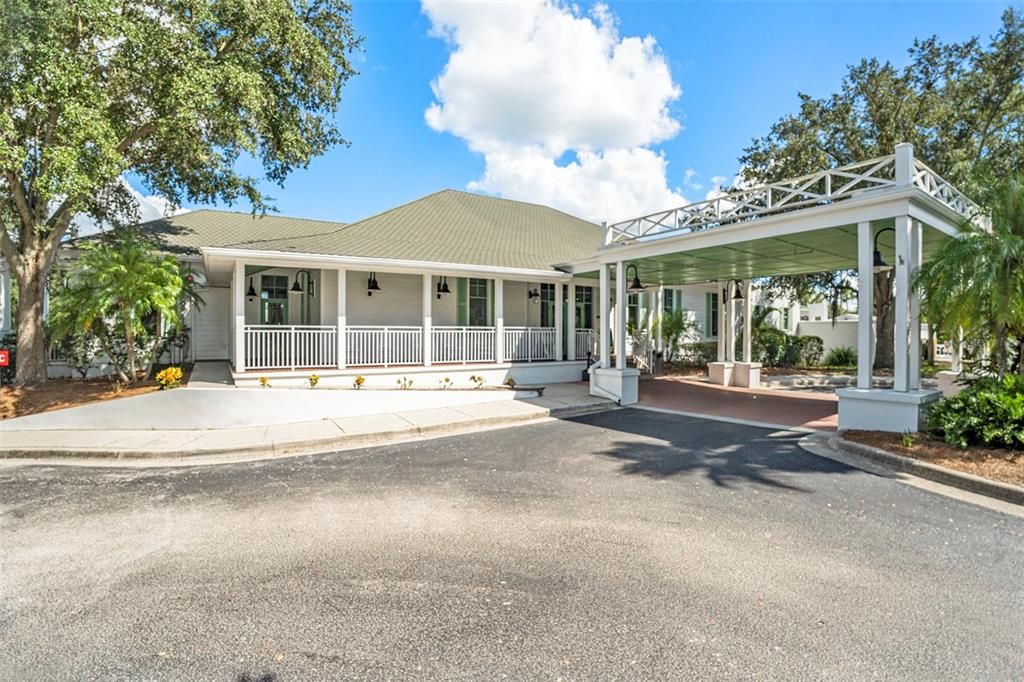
x: 817, y: 189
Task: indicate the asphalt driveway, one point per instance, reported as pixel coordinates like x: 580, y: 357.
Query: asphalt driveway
x: 625, y: 544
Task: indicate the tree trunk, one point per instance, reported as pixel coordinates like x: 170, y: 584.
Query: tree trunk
x: 31, y: 348
x: 129, y: 336
x: 884, y: 320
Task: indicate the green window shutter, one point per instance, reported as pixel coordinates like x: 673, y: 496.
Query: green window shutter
x: 707, y: 314
x: 462, y: 301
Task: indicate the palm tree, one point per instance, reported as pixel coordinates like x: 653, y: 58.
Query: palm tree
x: 976, y: 283
x: 113, y: 287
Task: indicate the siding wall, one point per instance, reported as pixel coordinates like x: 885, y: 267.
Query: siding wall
x: 211, y: 325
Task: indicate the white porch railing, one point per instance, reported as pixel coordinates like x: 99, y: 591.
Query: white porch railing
x: 815, y: 189
x: 529, y: 343
x: 462, y: 344
x: 586, y: 342
x: 384, y: 346
x: 290, y: 347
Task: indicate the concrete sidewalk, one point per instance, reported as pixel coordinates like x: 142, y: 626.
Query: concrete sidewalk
x: 69, y: 436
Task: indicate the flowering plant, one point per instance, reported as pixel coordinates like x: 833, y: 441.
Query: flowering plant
x: 264, y: 382
x: 169, y: 377
x: 314, y: 379
x: 358, y: 383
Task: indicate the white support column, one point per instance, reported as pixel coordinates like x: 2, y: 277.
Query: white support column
x: 499, y: 320
x: 620, y: 315
x: 901, y: 344
x: 722, y: 351
x: 730, y: 340
x: 865, y: 303
x: 570, y: 347
x: 957, y: 360
x: 904, y: 171
x: 559, y: 327
x: 748, y: 327
x: 428, y: 318
x: 238, y: 313
x: 656, y: 314
x: 606, y: 317
x: 5, y: 299
x: 342, y: 319
x: 914, y: 380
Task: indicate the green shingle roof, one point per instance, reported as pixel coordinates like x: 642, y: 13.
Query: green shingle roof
x: 448, y: 227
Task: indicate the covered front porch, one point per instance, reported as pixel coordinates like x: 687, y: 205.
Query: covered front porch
x: 290, y: 318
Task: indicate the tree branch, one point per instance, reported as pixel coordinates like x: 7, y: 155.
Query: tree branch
x: 20, y: 201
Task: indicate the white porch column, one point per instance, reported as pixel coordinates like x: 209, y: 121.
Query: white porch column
x: 570, y: 347
x: 605, y: 327
x: 499, y: 320
x: 238, y: 313
x: 5, y: 298
x: 428, y: 319
x: 901, y: 344
x: 559, y: 327
x: 620, y: 315
x: 342, y: 319
x: 957, y: 360
x: 748, y: 310
x: 720, y: 312
x: 914, y: 380
x: 730, y: 340
x: 656, y: 314
x: 865, y: 303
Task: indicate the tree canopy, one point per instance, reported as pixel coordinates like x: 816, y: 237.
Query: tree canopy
x: 174, y: 92
x: 960, y: 104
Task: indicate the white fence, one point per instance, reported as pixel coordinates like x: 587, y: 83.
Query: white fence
x: 586, y: 342
x: 529, y: 343
x: 383, y: 346
x: 308, y: 346
x: 280, y: 347
x: 462, y: 344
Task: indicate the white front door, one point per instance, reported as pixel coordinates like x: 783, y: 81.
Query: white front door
x: 212, y: 332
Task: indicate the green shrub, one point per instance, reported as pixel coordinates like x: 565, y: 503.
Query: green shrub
x: 698, y: 354
x: 769, y: 346
x: 841, y: 356
x: 811, y: 350
x: 988, y: 412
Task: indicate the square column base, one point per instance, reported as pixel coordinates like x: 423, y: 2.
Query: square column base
x: 747, y: 374
x: 624, y: 384
x: 720, y: 373
x: 882, y: 409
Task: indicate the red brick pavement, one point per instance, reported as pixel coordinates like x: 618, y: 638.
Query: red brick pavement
x: 789, y: 408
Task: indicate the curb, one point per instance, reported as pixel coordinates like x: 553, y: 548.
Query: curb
x: 1001, y: 491
x: 310, y: 446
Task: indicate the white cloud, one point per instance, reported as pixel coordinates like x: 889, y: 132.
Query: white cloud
x: 691, y: 179
x: 150, y: 207
x: 529, y: 83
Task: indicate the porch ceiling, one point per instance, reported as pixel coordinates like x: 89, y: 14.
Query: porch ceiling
x: 822, y: 250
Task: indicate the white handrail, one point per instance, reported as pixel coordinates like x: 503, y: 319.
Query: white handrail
x: 527, y: 344
x: 462, y: 344
x: 383, y: 345
x: 269, y: 346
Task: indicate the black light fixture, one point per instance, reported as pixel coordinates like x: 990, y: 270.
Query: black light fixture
x: 879, y: 264
x: 635, y: 285
x: 297, y: 288
x: 533, y: 295
x: 442, y: 286
x: 371, y: 284
x: 737, y: 294
x: 251, y: 293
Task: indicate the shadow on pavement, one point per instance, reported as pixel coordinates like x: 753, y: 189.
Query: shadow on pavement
x: 726, y: 454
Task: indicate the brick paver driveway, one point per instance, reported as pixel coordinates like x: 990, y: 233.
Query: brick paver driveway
x: 627, y: 544
x: 807, y: 409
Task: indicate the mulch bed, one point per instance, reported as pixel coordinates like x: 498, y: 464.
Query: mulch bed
x: 992, y: 463
x: 56, y: 394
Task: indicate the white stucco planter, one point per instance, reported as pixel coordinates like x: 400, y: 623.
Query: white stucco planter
x: 624, y: 384
x: 747, y: 374
x: 882, y: 409
x: 720, y: 373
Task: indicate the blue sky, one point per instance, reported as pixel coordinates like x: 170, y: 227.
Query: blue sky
x: 735, y: 67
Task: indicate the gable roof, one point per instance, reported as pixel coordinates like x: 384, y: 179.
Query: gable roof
x: 445, y: 227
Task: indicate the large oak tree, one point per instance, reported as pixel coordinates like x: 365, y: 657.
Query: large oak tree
x: 173, y: 92
x: 961, y: 105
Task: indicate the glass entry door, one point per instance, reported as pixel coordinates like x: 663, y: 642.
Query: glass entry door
x: 274, y: 299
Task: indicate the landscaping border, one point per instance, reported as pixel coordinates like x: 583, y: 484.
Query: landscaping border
x: 1006, y: 492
